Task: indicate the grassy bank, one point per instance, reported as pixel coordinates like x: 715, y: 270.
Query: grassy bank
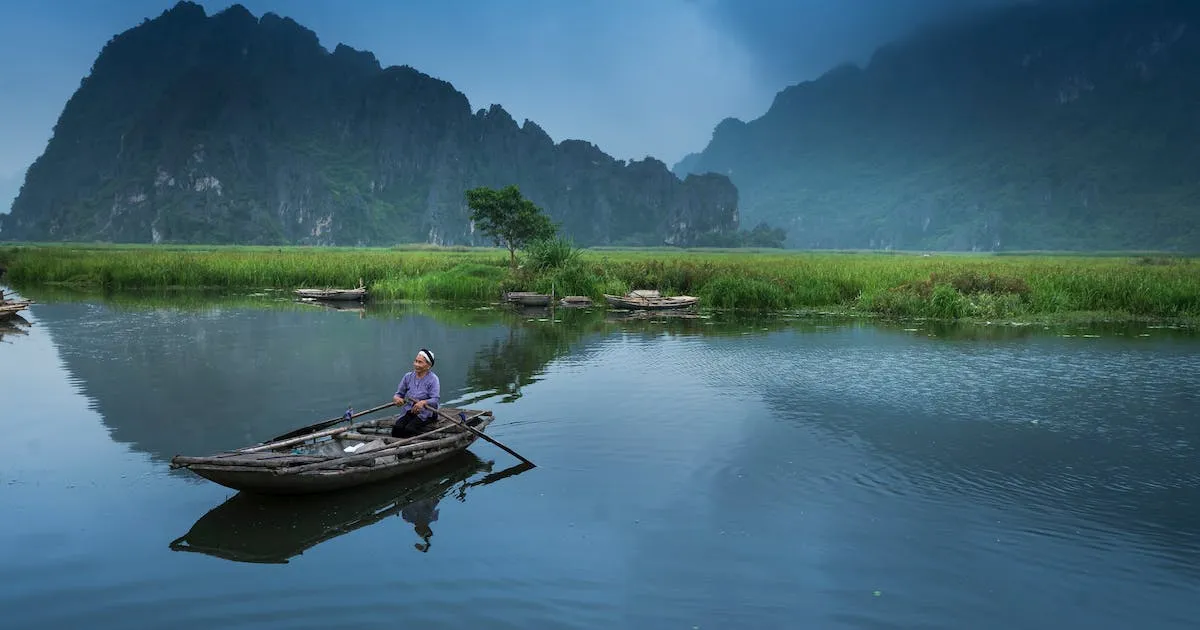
x: 1033, y: 287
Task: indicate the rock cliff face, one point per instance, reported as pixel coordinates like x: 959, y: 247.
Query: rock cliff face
x: 1059, y: 124
x: 236, y: 129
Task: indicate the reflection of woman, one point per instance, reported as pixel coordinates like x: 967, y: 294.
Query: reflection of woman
x: 421, y: 513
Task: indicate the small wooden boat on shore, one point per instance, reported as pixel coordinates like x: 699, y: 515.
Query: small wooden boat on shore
x: 575, y: 301
x: 649, y: 300
x: 332, y: 294
x: 12, y: 309
x: 526, y: 298
x: 9, y: 310
x: 337, y: 458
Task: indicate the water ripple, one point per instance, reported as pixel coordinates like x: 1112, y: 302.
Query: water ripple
x: 847, y: 477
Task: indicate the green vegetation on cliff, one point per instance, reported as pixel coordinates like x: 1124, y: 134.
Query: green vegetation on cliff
x: 1050, y: 126
x: 236, y: 129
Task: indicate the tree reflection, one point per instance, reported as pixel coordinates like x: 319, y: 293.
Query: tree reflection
x: 533, y: 341
x: 511, y: 362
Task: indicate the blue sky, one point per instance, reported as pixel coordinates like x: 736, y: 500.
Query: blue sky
x: 637, y: 77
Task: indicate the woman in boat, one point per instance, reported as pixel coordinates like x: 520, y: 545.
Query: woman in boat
x: 421, y: 385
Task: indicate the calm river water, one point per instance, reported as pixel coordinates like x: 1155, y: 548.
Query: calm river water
x: 692, y: 473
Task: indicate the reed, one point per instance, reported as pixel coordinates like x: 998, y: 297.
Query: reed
x: 943, y: 286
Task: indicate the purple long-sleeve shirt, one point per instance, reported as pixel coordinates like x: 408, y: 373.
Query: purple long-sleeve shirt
x: 426, y: 388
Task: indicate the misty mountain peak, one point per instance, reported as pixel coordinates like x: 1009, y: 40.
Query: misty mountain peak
x: 1048, y: 125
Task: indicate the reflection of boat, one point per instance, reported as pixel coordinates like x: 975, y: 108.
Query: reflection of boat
x: 333, y: 294
x: 337, y: 458
x: 12, y: 325
x: 649, y: 300
x: 525, y: 298
x: 336, y: 305
x: 651, y: 315
x: 258, y: 528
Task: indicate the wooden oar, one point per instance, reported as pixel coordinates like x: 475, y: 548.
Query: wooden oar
x: 476, y: 432
x: 328, y: 423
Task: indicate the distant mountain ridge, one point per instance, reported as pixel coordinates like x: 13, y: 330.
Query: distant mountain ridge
x: 1047, y: 125
x: 236, y: 129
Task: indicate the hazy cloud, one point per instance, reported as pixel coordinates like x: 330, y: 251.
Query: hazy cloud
x: 634, y: 77
x: 795, y: 40
x: 637, y: 78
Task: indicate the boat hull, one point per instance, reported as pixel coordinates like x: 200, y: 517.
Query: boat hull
x: 12, y: 309
x: 260, y: 482
x: 527, y: 299
x: 332, y: 294
x: 325, y: 466
x: 659, y: 303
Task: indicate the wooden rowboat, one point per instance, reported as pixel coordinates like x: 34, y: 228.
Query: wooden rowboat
x: 332, y: 294
x: 337, y: 458
x: 657, y: 303
x: 10, y: 308
x: 526, y: 298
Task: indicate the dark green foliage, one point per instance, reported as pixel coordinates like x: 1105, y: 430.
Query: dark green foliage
x: 730, y: 292
x: 572, y: 279
x: 508, y: 218
x: 964, y: 293
x: 465, y: 282
x: 972, y: 282
x: 1042, y: 126
x: 552, y: 253
x: 762, y: 235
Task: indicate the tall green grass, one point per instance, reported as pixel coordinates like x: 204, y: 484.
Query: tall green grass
x: 957, y: 286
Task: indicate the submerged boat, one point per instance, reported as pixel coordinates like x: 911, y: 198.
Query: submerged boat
x: 526, y: 298
x: 657, y: 302
x: 337, y: 458
x: 575, y: 301
x: 345, y: 306
x: 332, y: 294
x: 12, y: 326
x: 268, y: 529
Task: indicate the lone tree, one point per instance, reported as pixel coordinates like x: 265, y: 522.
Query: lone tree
x: 509, y: 218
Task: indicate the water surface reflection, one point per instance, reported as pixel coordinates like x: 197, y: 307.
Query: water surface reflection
x: 269, y: 529
x: 692, y: 471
